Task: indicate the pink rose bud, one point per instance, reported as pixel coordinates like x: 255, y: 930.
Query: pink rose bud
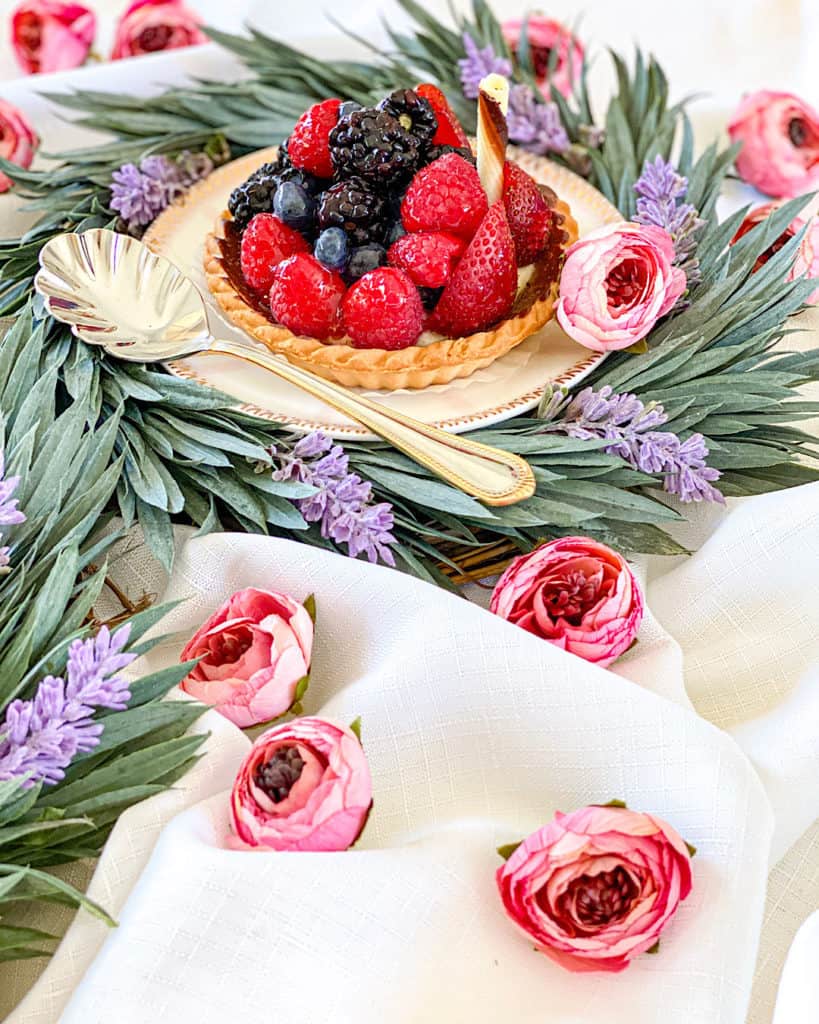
x: 17, y: 140
x: 255, y: 650
x: 576, y: 593
x: 806, y: 263
x: 304, y: 785
x: 149, y: 26
x: 595, y: 888
x: 547, y: 38
x: 780, y: 143
x: 615, y: 285
x: 51, y: 36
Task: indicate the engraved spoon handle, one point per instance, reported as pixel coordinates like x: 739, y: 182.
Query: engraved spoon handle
x: 493, y: 476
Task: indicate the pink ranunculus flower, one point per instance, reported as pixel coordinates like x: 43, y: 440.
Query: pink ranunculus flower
x: 806, y: 263
x: 576, y: 593
x: 545, y: 37
x: 304, y: 785
x: 149, y: 26
x: 18, y: 140
x: 254, y: 651
x: 616, y: 283
x: 780, y: 143
x: 596, y: 887
x: 51, y: 36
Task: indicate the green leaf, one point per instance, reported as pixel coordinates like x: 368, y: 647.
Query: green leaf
x: 655, y: 948
x: 355, y: 728
x: 301, y: 688
x: 309, y: 604
x: 508, y: 849
x: 691, y: 849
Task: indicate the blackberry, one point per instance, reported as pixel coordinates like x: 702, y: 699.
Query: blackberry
x: 373, y: 145
x: 414, y: 114
x: 354, y: 206
x: 435, y: 151
x: 254, y: 195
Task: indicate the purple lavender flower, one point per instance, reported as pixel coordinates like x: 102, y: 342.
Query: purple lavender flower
x: 342, y: 503
x: 479, y: 63
x: 630, y: 427
x: 140, y: 194
x: 533, y: 124
x: 41, y: 736
x: 662, y: 190
x: 9, y: 513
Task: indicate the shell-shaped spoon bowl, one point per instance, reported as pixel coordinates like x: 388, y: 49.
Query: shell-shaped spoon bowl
x: 115, y: 292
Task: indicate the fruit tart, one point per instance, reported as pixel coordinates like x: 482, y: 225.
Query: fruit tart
x: 379, y: 251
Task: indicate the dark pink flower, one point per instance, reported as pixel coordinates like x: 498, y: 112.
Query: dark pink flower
x: 548, y: 37
x: 51, y: 36
x: 18, y: 140
x: 149, y: 26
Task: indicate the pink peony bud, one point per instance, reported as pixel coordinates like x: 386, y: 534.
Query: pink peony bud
x: 596, y: 887
x: 616, y: 283
x: 545, y: 37
x: 780, y: 143
x: 149, y: 26
x: 17, y: 140
x: 304, y: 785
x: 255, y: 650
x: 576, y: 593
x: 51, y: 36
x: 806, y: 263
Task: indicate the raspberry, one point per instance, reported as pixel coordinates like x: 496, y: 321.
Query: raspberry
x: 428, y: 257
x: 383, y: 310
x: 305, y: 297
x: 449, y: 131
x: 530, y: 219
x: 482, y: 288
x: 265, y: 243
x: 308, y: 146
x: 446, y: 195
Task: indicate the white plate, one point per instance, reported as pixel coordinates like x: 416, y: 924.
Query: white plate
x: 510, y: 386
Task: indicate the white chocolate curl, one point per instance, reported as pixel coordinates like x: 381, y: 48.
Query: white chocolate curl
x: 493, y: 102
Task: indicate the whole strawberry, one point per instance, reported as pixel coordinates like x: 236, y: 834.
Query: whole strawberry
x: 482, y: 288
x: 308, y: 146
x: 446, y: 195
x: 265, y: 243
x: 305, y: 297
x: 427, y: 256
x: 383, y: 310
x: 530, y: 219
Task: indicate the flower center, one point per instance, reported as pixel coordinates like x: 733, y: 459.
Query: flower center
x: 541, y: 55
x: 154, y: 38
x: 625, y: 284
x: 594, y: 901
x: 277, y: 776
x: 797, y: 131
x: 569, y: 597
x: 230, y: 646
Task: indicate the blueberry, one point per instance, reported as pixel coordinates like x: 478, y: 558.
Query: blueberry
x: 331, y: 248
x: 395, y: 232
x: 365, y: 258
x: 293, y: 205
x: 347, y: 107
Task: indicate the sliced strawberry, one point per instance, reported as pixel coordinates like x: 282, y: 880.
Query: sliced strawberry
x: 482, y: 289
x: 446, y: 195
x: 309, y: 143
x: 450, y: 132
x: 530, y: 219
x: 428, y: 256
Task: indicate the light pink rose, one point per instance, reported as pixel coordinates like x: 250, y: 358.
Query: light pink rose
x: 615, y: 285
x: 545, y: 36
x: 254, y: 651
x: 17, y: 140
x: 149, y: 26
x: 780, y: 143
x: 596, y: 887
x: 304, y: 785
x: 51, y: 36
x: 806, y: 263
x: 576, y: 593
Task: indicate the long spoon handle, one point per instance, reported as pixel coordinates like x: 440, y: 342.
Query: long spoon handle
x: 493, y: 476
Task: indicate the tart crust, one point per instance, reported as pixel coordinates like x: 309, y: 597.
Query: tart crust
x: 415, y: 367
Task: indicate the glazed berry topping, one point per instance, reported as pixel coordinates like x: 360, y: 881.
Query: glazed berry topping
x: 305, y: 297
x: 445, y: 196
x: 294, y: 205
x: 374, y: 145
x: 355, y: 207
x: 413, y: 112
x: 308, y: 146
x: 332, y: 248
x: 364, y: 259
x: 265, y: 243
x: 383, y: 310
x: 428, y: 257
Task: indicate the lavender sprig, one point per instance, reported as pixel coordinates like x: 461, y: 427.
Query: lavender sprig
x: 662, y: 190
x: 630, y: 427
x: 9, y: 513
x: 140, y: 194
x: 40, y: 737
x: 342, y: 503
x: 478, y: 63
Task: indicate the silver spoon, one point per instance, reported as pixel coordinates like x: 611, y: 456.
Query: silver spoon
x: 114, y: 292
